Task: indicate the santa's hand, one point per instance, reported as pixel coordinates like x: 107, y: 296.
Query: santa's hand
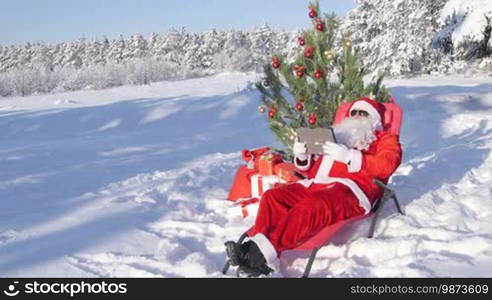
x: 299, y: 148
x: 336, y: 151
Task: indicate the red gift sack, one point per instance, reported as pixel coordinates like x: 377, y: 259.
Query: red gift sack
x: 241, y: 187
x: 252, y: 157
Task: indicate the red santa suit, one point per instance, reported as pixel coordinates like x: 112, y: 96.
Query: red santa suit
x: 333, y: 191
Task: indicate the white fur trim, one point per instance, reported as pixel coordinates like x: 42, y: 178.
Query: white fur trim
x: 267, y: 250
x: 354, y: 161
x: 324, y: 169
x: 302, y: 157
x: 322, y: 176
x: 306, y: 182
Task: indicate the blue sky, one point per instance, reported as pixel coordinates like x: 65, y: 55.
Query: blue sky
x: 66, y: 20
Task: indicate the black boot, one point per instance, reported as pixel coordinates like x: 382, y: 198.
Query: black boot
x: 235, y: 252
x: 254, y: 262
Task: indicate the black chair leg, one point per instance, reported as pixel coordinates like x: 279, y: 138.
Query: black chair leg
x: 375, y: 218
x: 310, y: 263
x: 226, y: 267
x: 373, y: 225
x: 398, y: 205
x: 242, y: 237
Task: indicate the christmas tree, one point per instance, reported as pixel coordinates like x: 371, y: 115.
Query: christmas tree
x: 308, y: 91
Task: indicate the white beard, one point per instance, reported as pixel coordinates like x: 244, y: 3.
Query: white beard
x: 355, y: 133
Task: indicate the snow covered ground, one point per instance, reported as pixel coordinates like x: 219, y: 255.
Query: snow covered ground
x: 131, y: 182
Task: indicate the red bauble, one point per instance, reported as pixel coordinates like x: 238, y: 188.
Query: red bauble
x: 309, y: 52
x: 313, y: 13
x: 299, y: 70
x: 320, y: 26
x: 312, y: 119
x: 272, y: 112
x: 275, y: 62
x: 302, y: 41
x: 319, y: 74
x: 299, y: 106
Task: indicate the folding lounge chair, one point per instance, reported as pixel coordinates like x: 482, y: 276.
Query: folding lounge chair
x: 392, y: 120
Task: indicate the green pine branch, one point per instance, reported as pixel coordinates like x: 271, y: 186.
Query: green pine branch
x: 342, y: 80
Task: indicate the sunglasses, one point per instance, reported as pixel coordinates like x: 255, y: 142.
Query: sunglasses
x: 361, y: 113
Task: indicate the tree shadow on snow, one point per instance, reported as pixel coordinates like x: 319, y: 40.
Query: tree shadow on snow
x: 54, y: 161
x: 58, y: 244
x: 431, y: 157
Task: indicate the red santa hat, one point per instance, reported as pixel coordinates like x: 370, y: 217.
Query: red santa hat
x: 373, y: 108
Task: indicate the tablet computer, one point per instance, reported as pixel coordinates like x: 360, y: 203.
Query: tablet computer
x: 314, y: 138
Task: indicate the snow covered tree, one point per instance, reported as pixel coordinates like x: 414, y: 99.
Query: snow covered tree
x: 73, y: 54
x: 235, y: 53
x: 135, y: 48
x: 153, y: 44
x: 262, y: 43
x: 465, y: 29
x: 191, y: 56
x: 212, y: 44
x: 8, y: 58
x: 43, y: 57
x: 326, y: 73
x: 394, y: 36
x: 170, y: 49
x: 411, y: 37
x: 95, y: 52
x: 116, y: 50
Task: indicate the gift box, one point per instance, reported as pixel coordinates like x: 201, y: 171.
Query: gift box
x: 286, y: 171
x: 267, y: 163
x: 244, y: 208
x: 249, y: 207
x: 261, y: 184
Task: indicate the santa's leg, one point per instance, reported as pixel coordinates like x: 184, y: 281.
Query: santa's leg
x: 274, y: 206
x: 308, y: 216
x: 327, y: 206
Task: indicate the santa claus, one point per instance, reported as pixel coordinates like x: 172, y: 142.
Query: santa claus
x: 338, y: 185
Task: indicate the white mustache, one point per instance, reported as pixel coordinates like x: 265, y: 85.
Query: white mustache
x: 356, y: 133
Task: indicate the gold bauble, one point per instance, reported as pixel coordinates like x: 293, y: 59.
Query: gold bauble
x: 348, y: 43
x: 261, y: 109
